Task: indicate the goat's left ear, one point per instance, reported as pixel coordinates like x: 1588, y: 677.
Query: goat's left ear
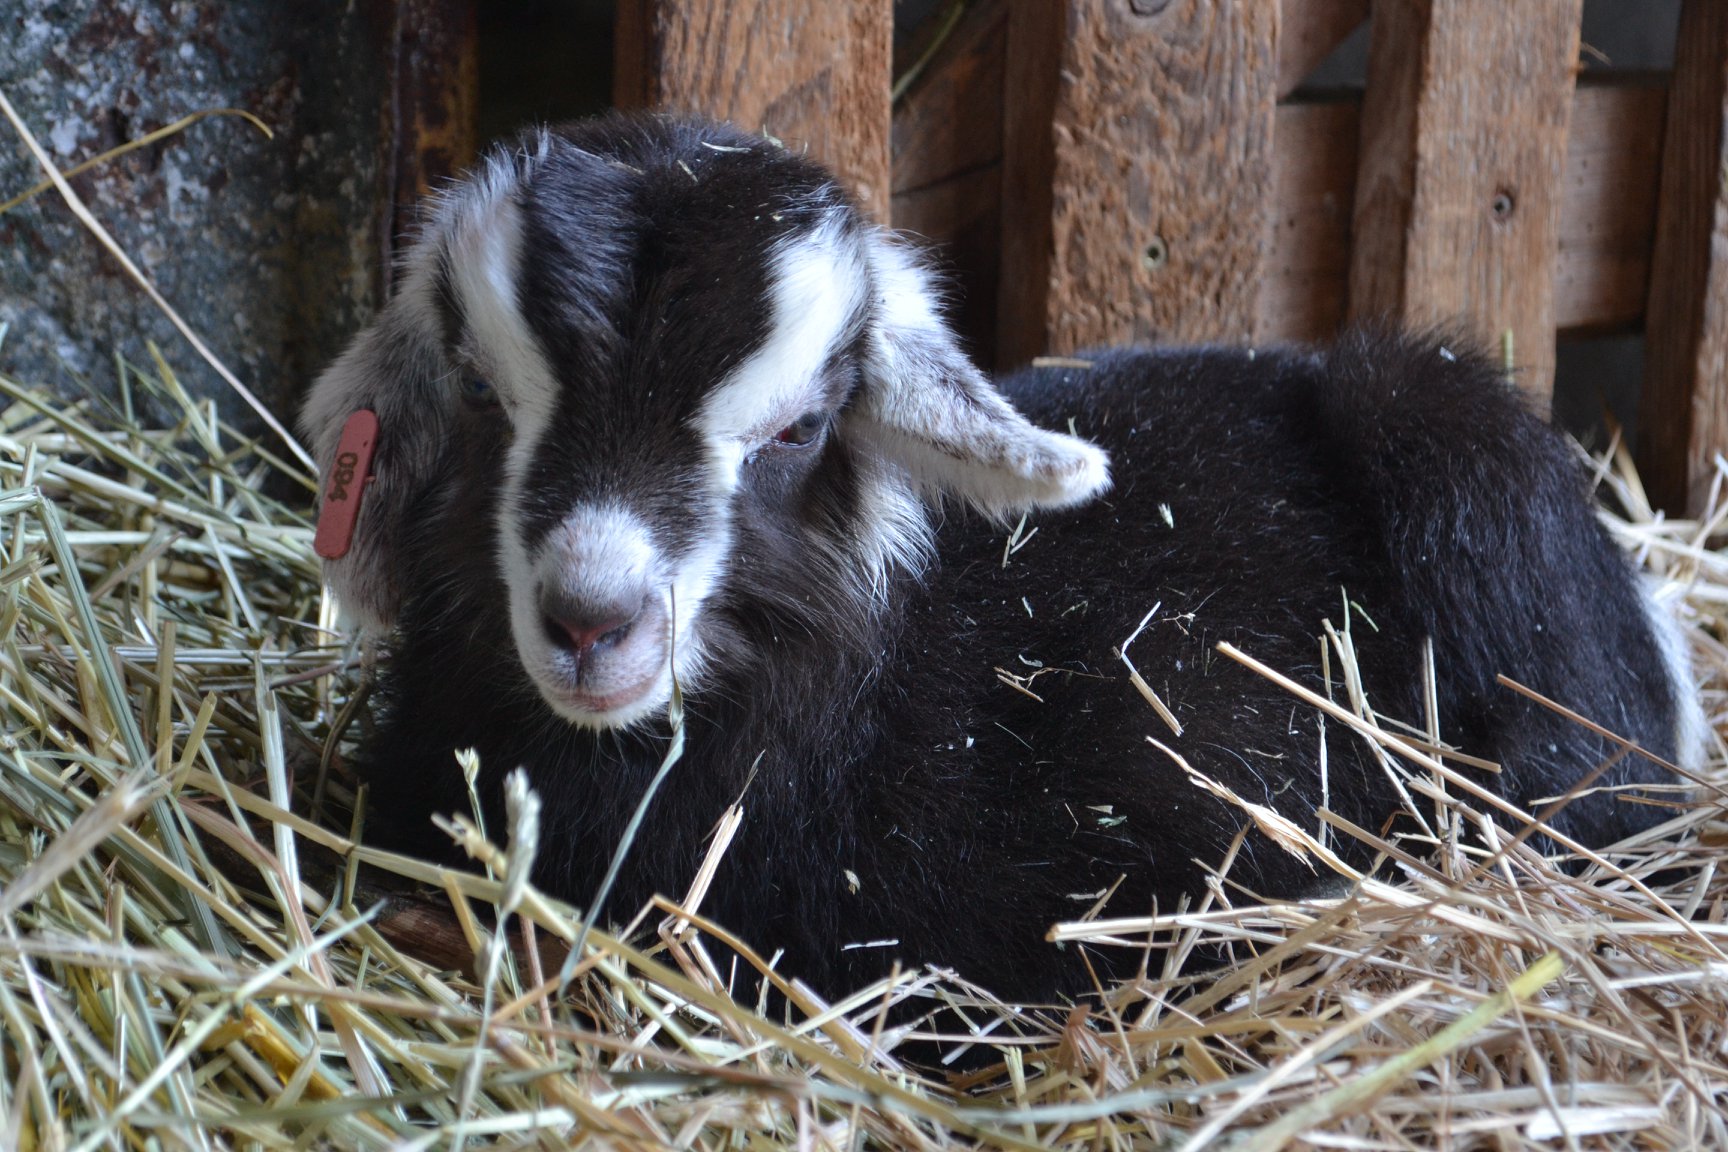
x: 926, y: 407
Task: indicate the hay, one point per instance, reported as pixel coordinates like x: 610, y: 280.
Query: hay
x: 191, y: 956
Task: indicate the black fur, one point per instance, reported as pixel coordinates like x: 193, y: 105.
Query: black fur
x: 969, y: 813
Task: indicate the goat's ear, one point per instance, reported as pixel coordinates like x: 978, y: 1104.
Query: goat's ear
x: 394, y: 370
x: 926, y: 407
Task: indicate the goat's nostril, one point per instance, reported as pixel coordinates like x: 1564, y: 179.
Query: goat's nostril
x: 584, y: 636
x: 584, y: 627
x: 615, y: 636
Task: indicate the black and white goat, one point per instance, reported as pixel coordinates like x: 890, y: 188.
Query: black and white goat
x: 656, y: 403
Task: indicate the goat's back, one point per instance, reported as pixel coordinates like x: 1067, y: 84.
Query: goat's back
x: 1391, y: 487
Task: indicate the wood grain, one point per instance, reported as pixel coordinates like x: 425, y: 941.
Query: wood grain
x: 430, y: 122
x: 1607, y: 213
x: 1030, y: 81
x: 1161, y: 175
x: 1463, y: 147
x: 1310, y: 30
x: 1608, y: 205
x: 960, y: 220
x: 947, y: 168
x: 814, y: 76
x: 949, y: 122
x: 1313, y: 190
x: 1683, y: 409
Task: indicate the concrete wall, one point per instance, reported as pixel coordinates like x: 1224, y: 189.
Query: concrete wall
x: 270, y: 248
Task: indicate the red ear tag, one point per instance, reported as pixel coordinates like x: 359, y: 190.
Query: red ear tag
x: 349, y: 475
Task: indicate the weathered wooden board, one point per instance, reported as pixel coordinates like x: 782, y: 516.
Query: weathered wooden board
x: 1607, y: 213
x: 947, y: 167
x: 1683, y: 411
x: 1463, y: 147
x: 429, y: 121
x: 962, y: 220
x: 1030, y: 79
x: 948, y: 143
x: 949, y: 120
x: 1310, y: 30
x: 1161, y: 166
x: 1313, y: 190
x: 1608, y: 205
x: 811, y: 75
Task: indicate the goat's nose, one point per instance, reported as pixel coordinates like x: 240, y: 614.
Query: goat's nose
x: 580, y: 626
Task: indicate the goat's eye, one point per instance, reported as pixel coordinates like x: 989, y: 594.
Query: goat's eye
x: 478, y: 390
x: 807, y: 429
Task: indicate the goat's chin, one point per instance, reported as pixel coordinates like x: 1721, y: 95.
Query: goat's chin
x: 630, y: 704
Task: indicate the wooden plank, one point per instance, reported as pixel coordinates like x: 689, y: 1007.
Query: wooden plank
x: 962, y: 216
x: 1310, y: 30
x: 1683, y: 409
x: 1161, y: 171
x: 1313, y: 191
x: 1607, y: 213
x: 430, y: 122
x: 1608, y: 205
x: 949, y: 121
x: 947, y: 168
x: 1463, y: 147
x: 1030, y: 72
x: 811, y: 75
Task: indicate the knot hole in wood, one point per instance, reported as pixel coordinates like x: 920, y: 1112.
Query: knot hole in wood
x: 1156, y: 255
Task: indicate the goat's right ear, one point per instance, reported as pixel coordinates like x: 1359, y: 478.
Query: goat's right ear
x: 926, y: 407
x: 392, y: 369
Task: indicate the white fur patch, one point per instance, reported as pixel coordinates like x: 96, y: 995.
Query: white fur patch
x: 397, y: 367
x: 1691, y: 729
x: 485, y: 245
x: 606, y: 553
x: 818, y: 282
x: 485, y: 260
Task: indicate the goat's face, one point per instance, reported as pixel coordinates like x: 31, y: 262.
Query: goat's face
x: 711, y: 380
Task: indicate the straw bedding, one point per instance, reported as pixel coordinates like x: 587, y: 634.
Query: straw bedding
x: 196, y: 949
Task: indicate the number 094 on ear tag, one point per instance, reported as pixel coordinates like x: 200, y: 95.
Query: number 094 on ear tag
x: 350, y: 472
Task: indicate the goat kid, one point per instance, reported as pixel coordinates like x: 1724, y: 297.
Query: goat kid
x: 656, y: 404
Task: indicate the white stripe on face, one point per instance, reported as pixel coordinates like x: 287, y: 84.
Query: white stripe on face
x: 485, y: 271
x: 817, y: 283
x: 485, y: 249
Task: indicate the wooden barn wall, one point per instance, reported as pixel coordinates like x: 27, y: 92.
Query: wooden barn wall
x: 1095, y: 171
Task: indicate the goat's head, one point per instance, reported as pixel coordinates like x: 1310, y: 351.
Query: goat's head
x: 698, y: 360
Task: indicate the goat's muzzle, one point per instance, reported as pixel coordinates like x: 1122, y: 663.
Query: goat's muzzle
x: 609, y: 652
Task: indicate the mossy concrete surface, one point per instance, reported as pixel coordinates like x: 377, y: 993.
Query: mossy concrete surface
x: 268, y: 247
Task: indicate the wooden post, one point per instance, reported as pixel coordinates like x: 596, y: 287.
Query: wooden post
x: 1463, y: 144
x: 812, y: 75
x: 1683, y: 413
x: 1608, y: 206
x: 430, y: 114
x: 1159, y: 154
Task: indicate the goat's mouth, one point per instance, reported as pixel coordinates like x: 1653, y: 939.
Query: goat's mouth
x: 601, y: 669
x: 613, y: 700
x: 611, y: 708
